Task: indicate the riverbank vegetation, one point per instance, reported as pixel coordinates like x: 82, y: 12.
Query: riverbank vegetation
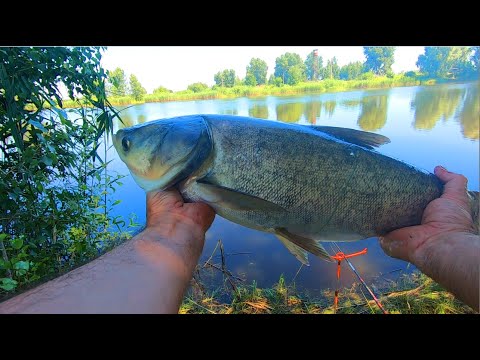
x: 214, y: 289
x: 55, y: 191
x: 413, y: 293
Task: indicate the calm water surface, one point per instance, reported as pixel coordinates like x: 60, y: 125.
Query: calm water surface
x: 427, y: 126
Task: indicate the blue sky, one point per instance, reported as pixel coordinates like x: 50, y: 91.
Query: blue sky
x: 175, y: 67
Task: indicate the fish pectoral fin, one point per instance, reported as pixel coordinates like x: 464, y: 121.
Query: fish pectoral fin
x: 305, y: 243
x: 296, y: 250
x: 364, y: 139
x: 234, y: 199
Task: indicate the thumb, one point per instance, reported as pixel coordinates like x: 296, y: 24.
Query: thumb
x: 455, y: 187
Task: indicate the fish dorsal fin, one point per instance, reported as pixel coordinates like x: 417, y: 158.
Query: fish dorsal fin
x: 296, y: 250
x: 308, y: 244
x: 364, y: 139
x: 234, y: 199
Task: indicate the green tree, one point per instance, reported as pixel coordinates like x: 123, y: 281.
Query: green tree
x: 351, y: 71
x: 447, y: 61
x: 287, y: 65
x: 136, y: 89
x: 258, y: 68
x: 53, y: 183
x: 379, y: 59
x: 197, y: 87
x: 331, y: 70
x: 271, y: 80
x: 161, y: 89
x: 296, y: 74
x: 225, y: 78
x: 218, y: 78
x: 250, y: 80
x: 313, y: 66
x: 119, y: 82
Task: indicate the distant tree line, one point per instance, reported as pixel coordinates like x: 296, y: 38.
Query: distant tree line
x: 440, y: 62
x: 118, y: 85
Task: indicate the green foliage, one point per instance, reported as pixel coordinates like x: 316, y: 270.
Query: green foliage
x: 411, y: 74
x: 225, y: 78
x: 379, y: 59
x: 258, y: 69
x: 278, y: 81
x: 161, y: 89
x: 290, y: 68
x: 136, y: 89
x: 53, y: 183
x: 449, y: 62
x: 331, y: 70
x: 351, y: 71
x: 369, y: 75
x: 296, y: 74
x: 197, y: 87
x: 271, y: 80
x: 250, y: 80
x: 410, y: 294
x: 119, y: 82
x: 313, y: 67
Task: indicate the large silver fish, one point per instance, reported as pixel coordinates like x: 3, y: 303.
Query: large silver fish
x: 306, y: 184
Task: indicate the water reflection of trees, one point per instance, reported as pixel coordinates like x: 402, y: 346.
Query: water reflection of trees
x: 374, y: 112
x: 430, y: 105
x: 469, y: 116
x: 313, y: 110
x: 230, y: 111
x: 258, y: 111
x: 329, y: 107
x: 350, y: 104
x: 290, y: 112
x: 141, y: 119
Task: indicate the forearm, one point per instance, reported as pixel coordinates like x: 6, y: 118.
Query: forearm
x: 147, y: 274
x: 461, y: 276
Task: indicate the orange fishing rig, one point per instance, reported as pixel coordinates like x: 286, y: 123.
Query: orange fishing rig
x: 339, y: 256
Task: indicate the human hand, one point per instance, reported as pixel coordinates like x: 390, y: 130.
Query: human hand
x: 443, y: 218
x: 179, y: 225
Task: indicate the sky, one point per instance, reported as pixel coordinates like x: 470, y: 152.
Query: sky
x: 176, y: 67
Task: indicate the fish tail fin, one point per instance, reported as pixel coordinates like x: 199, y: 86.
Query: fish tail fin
x: 475, y: 207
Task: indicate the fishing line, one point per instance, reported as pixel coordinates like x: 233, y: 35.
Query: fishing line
x: 361, y: 280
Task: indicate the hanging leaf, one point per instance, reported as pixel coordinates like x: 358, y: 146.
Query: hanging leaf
x: 8, y: 284
x: 17, y: 243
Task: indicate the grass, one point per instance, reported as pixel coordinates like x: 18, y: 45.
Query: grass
x: 413, y: 293
x: 312, y: 87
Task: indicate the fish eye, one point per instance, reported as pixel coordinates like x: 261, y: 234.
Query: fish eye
x: 125, y: 144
